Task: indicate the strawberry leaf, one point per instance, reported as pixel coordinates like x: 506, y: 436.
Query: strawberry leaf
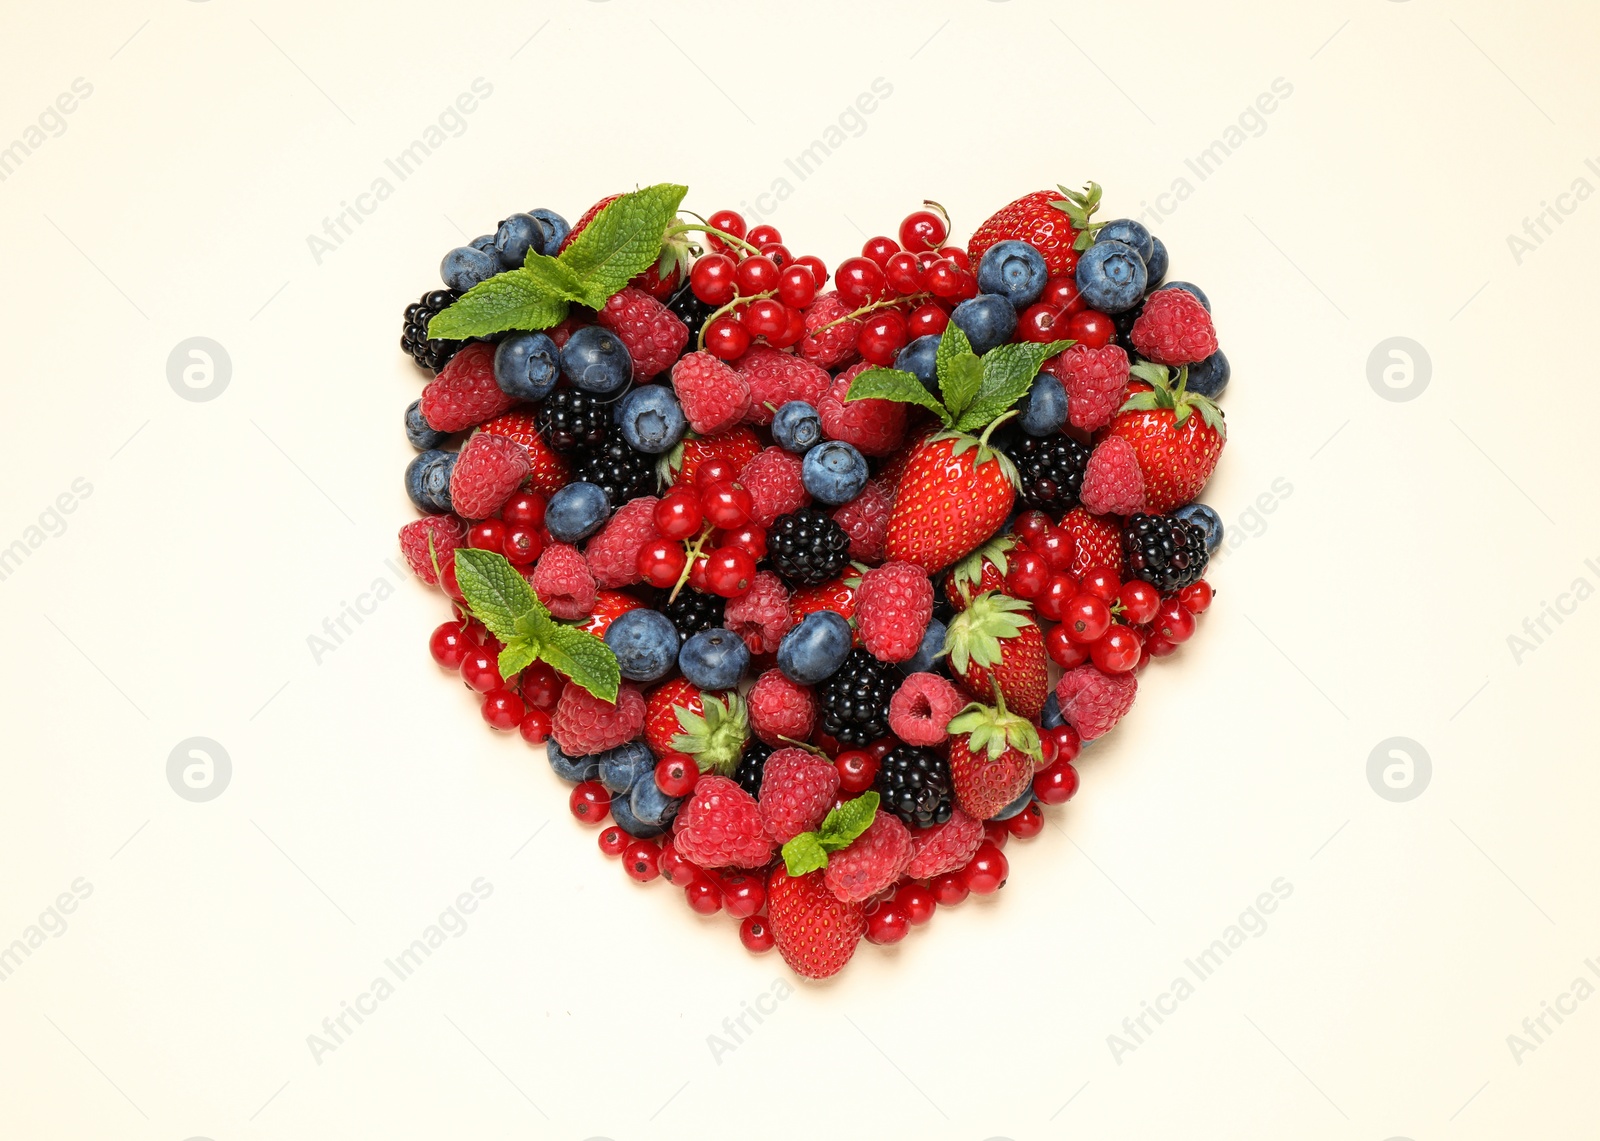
x: 1008, y: 373
x: 893, y: 384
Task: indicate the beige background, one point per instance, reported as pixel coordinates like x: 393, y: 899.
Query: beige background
x: 1405, y: 541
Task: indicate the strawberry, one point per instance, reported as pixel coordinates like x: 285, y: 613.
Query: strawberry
x: 984, y: 569
x: 711, y: 728
x: 837, y: 595
x: 1049, y: 221
x: 956, y: 492
x: 608, y: 607
x: 1096, y: 541
x: 995, y: 643
x: 1176, y: 450
x: 738, y: 446
x: 661, y: 712
x: 547, y: 471
x: 815, y: 931
x: 992, y: 757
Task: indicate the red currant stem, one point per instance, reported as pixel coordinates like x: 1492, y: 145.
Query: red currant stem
x: 943, y: 213
x: 700, y: 342
x: 886, y: 303
x: 693, y: 550
x: 685, y: 227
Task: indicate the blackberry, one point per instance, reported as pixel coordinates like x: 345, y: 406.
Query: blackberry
x: 570, y: 420
x: 752, y: 764
x: 914, y: 784
x: 414, y: 334
x: 1123, y: 324
x: 692, y: 612
x: 690, y: 310
x: 623, y: 472
x: 1167, y: 552
x: 1051, y: 468
x: 807, y: 547
x: 855, y: 700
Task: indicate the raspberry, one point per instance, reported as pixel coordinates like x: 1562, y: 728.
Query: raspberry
x: 547, y: 471
x: 836, y: 346
x: 944, y: 847
x: 1095, y: 380
x: 866, y: 520
x: 714, y: 397
x: 815, y: 931
x: 465, y: 392
x: 893, y: 605
x: 872, y: 862
x: 875, y: 427
x: 491, y: 467
x: 652, y: 332
x: 776, y: 378
x: 563, y: 583
x: 761, y: 617
x: 1096, y: 541
x: 780, y: 708
x: 1113, y: 484
x: 773, y: 479
x: 797, y: 789
x: 448, y: 533
x: 583, y: 724
x: 922, y: 707
x: 719, y: 826
x: 613, y: 554
x: 1093, y: 702
x: 1174, y: 329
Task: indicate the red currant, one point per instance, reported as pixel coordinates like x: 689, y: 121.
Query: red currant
x: 1118, y: 651
x: 522, y: 545
x: 1173, y: 622
x: 1031, y: 526
x: 614, y: 841
x: 542, y: 686
x: 796, y: 287
x: 1040, y: 324
x: 942, y: 279
x: 726, y: 339
x: 1028, y: 573
x: 703, y: 896
x: 917, y: 902
x: 762, y: 234
x: 524, y: 509
x: 724, y: 504
x: 949, y: 889
x: 859, y: 281
x: 882, y: 337
x: 957, y: 255
x: 1139, y: 601
x: 729, y: 572
x: 1090, y: 328
x: 995, y: 832
x: 792, y: 332
x: 1057, y: 592
x: 1101, y: 582
x: 487, y: 535
x: 903, y: 272
x: 502, y: 709
x: 639, y: 860
x: 480, y: 670
x: 777, y: 251
x: 697, y: 574
x: 819, y: 271
x: 748, y: 537
x: 675, y: 867
x: 678, y: 514
x: 450, y: 643
x: 712, y: 279
x: 1068, y: 743
x: 986, y: 873
x: 1055, y: 545
x: 742, y: 895
x: 590, y: 802
x: 1196, y: 597
x: 857, y: 770
x: 447, y: 580
x: 1085, y: 618
x: 535, y: 726
x: 927, y: 321
x: 676, y: 774
x: 1028, y: 823
x: 756, y: 935
x: 728, y: 221
x: 923, y: 230
x: 714, y: 470
x: 1056, y: 784
x: 1063, y: 651
x: 1157, y: 646
x: 879, y: 250
x: 765, y: 318
x: 966, y: 286
x: 758, y: 274
x: 1062, y: 293
x: 887, y: 925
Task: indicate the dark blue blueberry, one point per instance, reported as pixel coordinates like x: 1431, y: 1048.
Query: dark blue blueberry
x: 515, y: 237
x: 1111, y: 277
x: 427, y: 475
x: 554, y: 229
x: 645, y: 642
x: 988, y: 320
x: 650, y: 806
x: 464, y: 267
x: 815, y: 649
x: 925, y: 659
x: 1155, y: 266
x: 1129, y: 233
x: 577, y: 511
x: 594, y: 359
x: 1051, y: 717
x: 1206, y: 518
x: 1189, y: 287
x: 1014, y: 270
x: 1044, y: 409
x: 919, y: 359
x: 622, y: 813
x: 574, y: 769
x: 834, y: 472
x: 623, y: 767
x: 484, y: 242
x: 651, y: 419
x: 1210, y: 376
x: 436, y: 482
x: 527, y: 366
x: 1016, y: 807
x: 796, y: 427
x: 714, y: 659
x: 422, y: 436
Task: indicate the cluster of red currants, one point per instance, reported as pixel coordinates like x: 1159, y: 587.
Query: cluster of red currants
x: 465, y: 645
x: 708, y: 539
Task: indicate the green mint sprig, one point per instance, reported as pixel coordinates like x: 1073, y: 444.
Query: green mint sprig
x: 500, y: 598
x: 622, y: 241
x: 808, y: 852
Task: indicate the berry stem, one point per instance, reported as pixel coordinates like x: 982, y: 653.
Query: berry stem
x: 700, y: 341
x: 705, y: 228
x: 872, y: 306
x: 693, y: 550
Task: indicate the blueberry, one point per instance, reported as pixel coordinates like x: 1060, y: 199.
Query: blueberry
x: 622, y: 813
x: 645, y: 642
x: 554, y: 229
x: 574, y: 769
x: 650, y: 806
x: 463, y: 267
x: 623, y: 767
x: 1129, y: 233
x: 1044, y: 409
x: 1014, y: 270
x: 919, y: 359
x: 1210, y: 376
x: 988, y: 320
x: 436, y: 482
x: 577, y: 511
x: 1051, y: 717
x: 924, y: 660
x: 1016, y: 807
x: 1190, y: 288
x: 527, y: 366
x: 1111, y: 277
x: 1155, y: 266
x: 1206, y: 518
x: 422, y: 437
x: 484, y: 242
x: 714, y: 659
x: 594, y: 359
x: 834, y: 472
x: 815, y: 649
x: 515, y: 237
x: 427, y: 475
x: 651, y: 419
x: 796, y: 427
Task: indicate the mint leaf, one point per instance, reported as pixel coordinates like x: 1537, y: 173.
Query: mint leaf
x: 496, y: 594
x: 623, y: 240
x: 583, y: 658
x: 511, y: 300
x: 893, y: 384
x: 1008, y: 372
x: 960, y: 380
x: 554, y: 276
x: 952, y: 343
x: 849, y: 820
x: 519, y: 654
x: 804, y: 854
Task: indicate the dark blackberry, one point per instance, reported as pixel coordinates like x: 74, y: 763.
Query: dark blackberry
x: 1167, y: 552
x: 690, y: 310
x: 752, y: 764
x: 855, y: 700
x: 807, y: 547
x: 624, y: 473
x: 914, y: 784
x: 1123, y: 324
x: 414, y: 334
x: 1051, y: 468
x: 570, y: 420
x: 692, y: 612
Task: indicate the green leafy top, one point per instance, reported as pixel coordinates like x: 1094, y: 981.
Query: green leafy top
x: 968, y: 572
x: 975, y: 635
x: 716, y: 737
x: 1080, y: 205
x: 808, y: 852
x: 622, y: 241
x: 994, y: 729
x: 500, y: 598
x: 1163, y: 393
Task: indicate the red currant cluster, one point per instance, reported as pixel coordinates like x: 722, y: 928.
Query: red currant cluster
x: 518, y: 533
x: 464, y: 645
x: 707, y: 537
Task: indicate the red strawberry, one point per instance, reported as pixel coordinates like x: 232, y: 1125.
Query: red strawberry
x: 1173, y: 329
x: 955, y: 493
x: 711, y: 727
x: 1048, y: 220
x: 661, y: 712
x: 547, y: 471
x: 609, y: 605
x: 984, y: 569
x: 1112, y: 481
x: 992, y: 757
x: 465, y: 392
x: 1177, y: 449
x: 894, y: 467
x: 837, y: 595
x: 588, y: 216
x: 815, y: 931
x: 995, y: 642
x: 1095, y: 380
x: 737, y: 446
x: 1096, y: 541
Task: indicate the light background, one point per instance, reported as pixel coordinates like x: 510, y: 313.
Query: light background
x: 1374, y: 600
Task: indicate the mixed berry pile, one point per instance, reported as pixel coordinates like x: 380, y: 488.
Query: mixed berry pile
x: 813, y: 585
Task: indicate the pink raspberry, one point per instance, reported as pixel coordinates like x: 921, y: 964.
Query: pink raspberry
x: 780, y: 708
x: 563, y: 583
x: 583, y: 724
x: 875, y: 427
x: 720, y: 826
x: 652, y: 332
x: 613, y: 553
x: 836, y: 346
x: 872, y: 862
x: 866, y: 520
x: 1113, y: 483
x: 797, y: 789
x: 448, y: 533
x: 714, y: 397
x: 922, y: 707
x: 1095, y: 380
x: 772, y: 477
x: 1173, y: 329
x: 944, y: 847
x: 488, y: 471
x: 1093, y: 702
x: 761, y: 617
x: 893, y: 605
x: 776, y: 378
x: 465, y: 392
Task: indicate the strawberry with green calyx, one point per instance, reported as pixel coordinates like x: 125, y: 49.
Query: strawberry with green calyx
x: 498, y: 596
x: 1177, y: 435
x: 993, y: 755
x: 1055, y: 224
x: 956, y: 490
x: 995, y: 645
x: 808, y: 852
x: 984, y: 569
x: 716, y: 736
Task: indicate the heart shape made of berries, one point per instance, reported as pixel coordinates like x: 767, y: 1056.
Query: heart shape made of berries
x: 813, y: 595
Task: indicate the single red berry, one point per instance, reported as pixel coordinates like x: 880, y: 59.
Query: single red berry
x: 957, y: 255
x: 1158, y: 647
x: 1090, y: 328
x: 795, y: 330
x: 949, y: 889
x: 966, y: 285
x: 697, y: 574
x: 448, y: 583
x: 1057, y: 592
x: 777, y: 251
x: 995, y: 832
x: 703, y: 896
x: 729, y: 222
x: 675, y: 866
x: 1055, y: 546
x: 748, y: 537
x: 917, y: 902
x: 1173, y: 622
x: 487, y: 535
x: 1196, y: 597
x: 1139, y: 601
x: 797, y: 288
x: 524, y: 509
x: 535, y: 726
x: 676, y: 774
x: 857, y: 770
x: 879, y: 250
x: 757, y: 274
x: 522, y: 545
x: 882, y: 336
x: 725, y: 504
x: 1031, y: 526
x: 903, y: 272
x: 661, y: 563
x: 714, y: 469
x: 986, y: 873
x: 639, y: 860
x: 1068, y: 743
x: 1118, y: 650
x: 729, y: 572
x: 726, y: 339
x: 923, y: 230
x: 1085, y: 618
x: 742, y: 894
x: 942, y: 279
x: 1062, y: 293
x: 712, y: 279
x: 880, y: 748
x: 450, y: 643
x: 1063, y: 651
x: 761, y: 234
x: 480, y: 670
x: 756, y: 935
x: 541, y: 686
x: 590, y: 802
x: 1041, y: 324
x: 614, y: 841
x: 1056, y: 784
x: 503, y: 709
x: 927, y: 321
x: 1028, y: 823
x: 1027, y: 574
x: 887, y: 925
x: 859, y: 281
x: 819, y: 271
x: 765, y: 317
x: 1047, y: 750
x: 1101, y: 582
